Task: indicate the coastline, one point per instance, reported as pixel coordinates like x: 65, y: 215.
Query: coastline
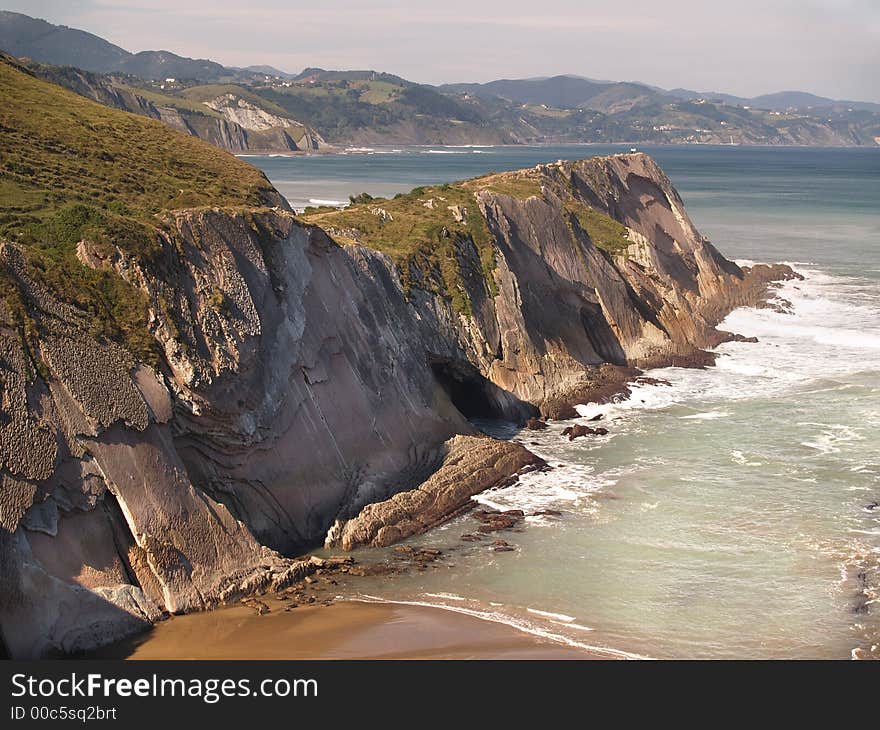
x: 343, y: 630
x: 342, y: 150
x: 264, y: 626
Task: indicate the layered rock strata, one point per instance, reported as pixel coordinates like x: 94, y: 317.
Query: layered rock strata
x: 471, y: 465
x: 299, y: 381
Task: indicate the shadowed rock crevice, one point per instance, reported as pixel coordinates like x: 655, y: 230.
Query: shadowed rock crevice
x: 472, y: 465
x: 473, y: 395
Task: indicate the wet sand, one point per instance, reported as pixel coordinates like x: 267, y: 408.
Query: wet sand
x: 344, y: 630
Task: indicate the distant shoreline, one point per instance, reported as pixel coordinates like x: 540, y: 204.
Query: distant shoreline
x: 366, y: 150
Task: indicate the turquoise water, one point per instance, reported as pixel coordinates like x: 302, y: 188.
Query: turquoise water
x: 731, y: 513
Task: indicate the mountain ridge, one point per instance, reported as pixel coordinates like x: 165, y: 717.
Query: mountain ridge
x: 365, y: 107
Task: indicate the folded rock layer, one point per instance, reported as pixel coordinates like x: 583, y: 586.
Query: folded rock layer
x: 310, y: 388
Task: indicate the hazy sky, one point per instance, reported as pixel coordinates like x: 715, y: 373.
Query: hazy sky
x: 746, y: 47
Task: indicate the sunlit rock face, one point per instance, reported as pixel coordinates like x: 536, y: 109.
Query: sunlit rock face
x: 300, y: 381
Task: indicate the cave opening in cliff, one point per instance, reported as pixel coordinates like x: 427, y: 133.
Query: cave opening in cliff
x: 467, y: 389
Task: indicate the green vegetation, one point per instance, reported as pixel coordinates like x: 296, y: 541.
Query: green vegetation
x: 423, y: 235
x: 605, y: 232
x: 340, y: 104
x: 360, y: 198
x: 71, y: 169
x: 181, y: 103
x: 209, y: 92
x: 379, y: 92
x: 217, y: 300
x: 517, y: 186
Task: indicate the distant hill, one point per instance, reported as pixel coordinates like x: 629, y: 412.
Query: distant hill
x: 269, y: 71
x: 164, y: 64
x: 23, y: 36
x: 366, y: 107
x: 574, y: 92
x: 779, y: 101
x: 226, y: 115
x: 802, y: 100
x: 260, y: 108
x: 563, y: 92
x: 320, y: 74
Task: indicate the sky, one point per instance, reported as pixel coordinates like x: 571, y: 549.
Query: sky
x: 747, y: 47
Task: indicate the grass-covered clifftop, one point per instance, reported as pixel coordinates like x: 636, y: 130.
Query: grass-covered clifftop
x: 423, y: 231
x: 72, y: 169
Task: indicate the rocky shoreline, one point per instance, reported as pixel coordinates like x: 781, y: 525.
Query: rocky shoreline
x: 309, y: 390
x: 472, y: 465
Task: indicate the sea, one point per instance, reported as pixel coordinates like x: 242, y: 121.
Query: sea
x: 731, y: 514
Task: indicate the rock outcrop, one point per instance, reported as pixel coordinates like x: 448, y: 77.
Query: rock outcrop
x: 303, y: 388
x: 228, y: 121
x: 472, y: 465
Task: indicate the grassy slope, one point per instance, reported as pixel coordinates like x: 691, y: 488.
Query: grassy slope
x: 339, y: 105
x: 605, y: 232
x: 71, y: 169
x: 424, y: 241
x: 175, y: 102
x: 420, y: 233
x: 208, y: 92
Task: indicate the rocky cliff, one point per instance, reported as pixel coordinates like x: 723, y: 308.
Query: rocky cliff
x: 226, y: 120
x: 286, y: 375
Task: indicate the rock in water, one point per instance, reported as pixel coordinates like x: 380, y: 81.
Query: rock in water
x: 472, y: 465
x: 577, y: 431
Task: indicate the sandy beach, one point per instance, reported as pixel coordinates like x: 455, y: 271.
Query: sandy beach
x: 344, y: 630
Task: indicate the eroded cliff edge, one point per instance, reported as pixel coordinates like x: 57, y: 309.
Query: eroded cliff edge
x: 286, y: 375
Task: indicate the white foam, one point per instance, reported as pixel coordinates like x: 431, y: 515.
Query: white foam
x: 577, y: 626
x: 446, y: 596
x: 569, y: 483
x: 518, y: 624
x: 335, y: 203
x: 834, y: 320
x: 738, y: 457
x: 707, y: 416
x: 547, y: 614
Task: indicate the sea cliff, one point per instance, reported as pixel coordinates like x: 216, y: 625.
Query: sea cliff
x: 295, y: 371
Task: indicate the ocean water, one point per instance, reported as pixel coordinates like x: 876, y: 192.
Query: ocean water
x: 733, y: 513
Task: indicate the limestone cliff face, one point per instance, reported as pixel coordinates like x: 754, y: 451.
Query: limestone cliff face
x: 301, y: 381
x: 228, y: 121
